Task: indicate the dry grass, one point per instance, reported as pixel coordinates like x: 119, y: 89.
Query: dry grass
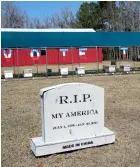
x: 21, y: 120
x: 88, y: 66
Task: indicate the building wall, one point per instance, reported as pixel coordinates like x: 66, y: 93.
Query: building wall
x: 22, y: 57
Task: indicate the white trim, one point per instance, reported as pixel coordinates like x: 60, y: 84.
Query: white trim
x: 46, y: 30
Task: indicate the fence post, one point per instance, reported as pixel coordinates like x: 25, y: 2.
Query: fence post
x: 114, y: 53
x: 134, y: 58
x: 72, y: 60
x: 37, y: 67
x: 119, y: 58
x: 14, y: 61
x: 58, y: 59
x: 46, y: 63
x: 18, y: 63
x: 97, y: 60
x: 79, y: 57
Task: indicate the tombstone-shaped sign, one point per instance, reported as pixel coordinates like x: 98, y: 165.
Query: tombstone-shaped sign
x: 80, y: 70
x: 8, y: 74
x: 28, y: 73
x: 109, y: 68
x: 64, y: 71
x: 72, y: 118
x: 125, y: 68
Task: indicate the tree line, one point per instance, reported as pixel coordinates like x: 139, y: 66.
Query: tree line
x: 101, y: 16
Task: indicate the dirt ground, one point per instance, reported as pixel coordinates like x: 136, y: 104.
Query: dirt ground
x: 88, y: 66
x: 21, y: 120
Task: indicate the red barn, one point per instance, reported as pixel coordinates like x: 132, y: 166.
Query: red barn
x: 66, y: 55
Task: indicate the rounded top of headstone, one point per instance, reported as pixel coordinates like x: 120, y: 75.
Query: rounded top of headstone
x: 68, y: 84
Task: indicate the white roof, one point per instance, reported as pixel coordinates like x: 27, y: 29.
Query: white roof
x: 47, y: 30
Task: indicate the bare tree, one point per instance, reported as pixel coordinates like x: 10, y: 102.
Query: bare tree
x: 128, y: 16
x: 66, y: 19
x: 12, y: 17
x: 47, y: 22
x: 128, y: 19
x: 27, y: 22
x: 57, y: 21
x: 37, y: 23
